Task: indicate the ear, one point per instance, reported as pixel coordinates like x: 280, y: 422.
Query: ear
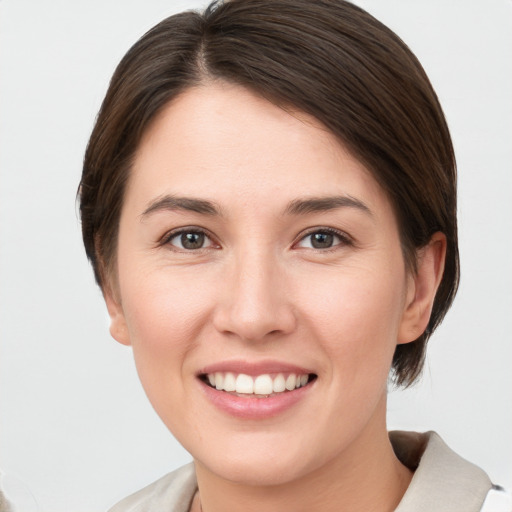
x: 422, y: 288
x: 118, y: 327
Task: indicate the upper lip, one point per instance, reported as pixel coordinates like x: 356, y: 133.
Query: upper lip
x: 254, y: 368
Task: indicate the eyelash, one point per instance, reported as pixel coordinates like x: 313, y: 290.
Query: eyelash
x: 344, y: 239
x: 168, y: 237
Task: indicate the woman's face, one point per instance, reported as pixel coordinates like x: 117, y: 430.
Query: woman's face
x: 257, y: 254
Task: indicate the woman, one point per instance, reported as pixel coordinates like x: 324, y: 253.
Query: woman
x: 268, y: 202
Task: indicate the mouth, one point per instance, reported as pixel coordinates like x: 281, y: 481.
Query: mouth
x: 265, y: 385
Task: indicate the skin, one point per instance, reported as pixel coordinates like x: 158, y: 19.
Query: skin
x: 259, y: 290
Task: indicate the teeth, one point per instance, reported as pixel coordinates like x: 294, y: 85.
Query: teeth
x: 279, y: 384
x: 229, y: 382
x: 244, y: 384
x: 219, y: 380
x: 261, y: 385
x: 290, y: 382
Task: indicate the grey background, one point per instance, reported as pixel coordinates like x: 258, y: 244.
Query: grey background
x: 76, y: 431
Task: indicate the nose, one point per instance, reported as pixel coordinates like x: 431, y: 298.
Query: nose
x: 253, y: 303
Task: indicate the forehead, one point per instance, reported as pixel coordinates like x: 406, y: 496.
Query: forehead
x: 222, y: 140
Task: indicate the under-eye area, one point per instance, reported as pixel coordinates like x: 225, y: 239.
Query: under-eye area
x: 262, y: 386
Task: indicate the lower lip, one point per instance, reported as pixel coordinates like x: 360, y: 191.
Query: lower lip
x: 254, y: 408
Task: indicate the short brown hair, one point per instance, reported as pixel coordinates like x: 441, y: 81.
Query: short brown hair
x: 327, y: 58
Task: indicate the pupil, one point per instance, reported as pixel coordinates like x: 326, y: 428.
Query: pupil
x: 192, y: 240
x: 322, y: 240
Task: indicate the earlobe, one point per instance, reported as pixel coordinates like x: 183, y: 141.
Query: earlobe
x: 422, y: 288
x: 118, y: 327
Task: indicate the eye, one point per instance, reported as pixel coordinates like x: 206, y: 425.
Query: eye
x: 323, y: 239
x: 189, y: 240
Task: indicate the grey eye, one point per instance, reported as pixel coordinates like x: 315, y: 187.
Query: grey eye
x: 323, y: 239
x: 190, y: 240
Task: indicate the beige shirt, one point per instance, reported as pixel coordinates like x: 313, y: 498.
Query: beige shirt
x: 4, y: 505
x: 442, y: 481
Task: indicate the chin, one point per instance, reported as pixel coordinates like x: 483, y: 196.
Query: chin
x: 260, y: 473
x: 256, y: 463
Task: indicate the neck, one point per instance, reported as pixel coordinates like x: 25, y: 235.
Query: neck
x: 366, y: 476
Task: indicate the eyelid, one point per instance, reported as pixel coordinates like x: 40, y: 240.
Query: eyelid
x: 345, y: 239
x: 169, y: 235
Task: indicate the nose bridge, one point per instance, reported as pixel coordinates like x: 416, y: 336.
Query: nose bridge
x: 255, y: 301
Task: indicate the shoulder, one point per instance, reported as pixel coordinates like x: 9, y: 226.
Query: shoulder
x: 443, y: 481
x: 4, y: 504
x: 174, y: 492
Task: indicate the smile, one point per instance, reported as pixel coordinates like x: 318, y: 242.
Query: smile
x: 261, y: 386
x: 256, y: 390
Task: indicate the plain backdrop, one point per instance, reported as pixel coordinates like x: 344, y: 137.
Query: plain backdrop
x: 76, y: 431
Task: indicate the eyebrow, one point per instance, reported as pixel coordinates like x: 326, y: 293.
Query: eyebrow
x: 173, y: 203
x: 322, y: 204
x: 295, y: 207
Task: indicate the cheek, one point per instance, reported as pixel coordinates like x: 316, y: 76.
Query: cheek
x: 165, y: 319
x: 162, y: 306
x: 357, y: 317
x: 355, y: 323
